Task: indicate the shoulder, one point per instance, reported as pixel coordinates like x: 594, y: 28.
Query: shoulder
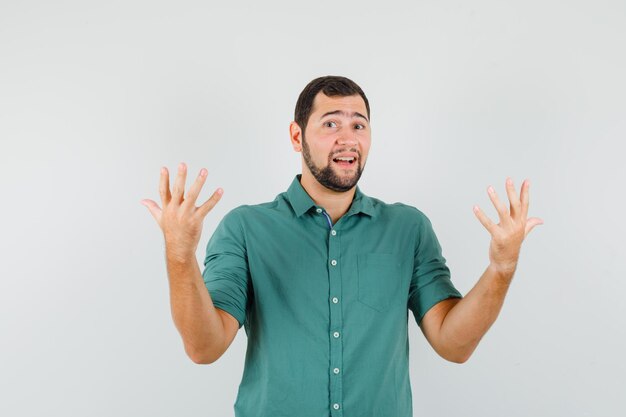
x: 248, y: 213
x: 400, y: 212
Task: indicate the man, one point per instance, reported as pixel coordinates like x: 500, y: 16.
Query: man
x: 323, y: 277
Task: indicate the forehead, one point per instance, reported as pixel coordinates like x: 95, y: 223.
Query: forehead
x: 323, y: 103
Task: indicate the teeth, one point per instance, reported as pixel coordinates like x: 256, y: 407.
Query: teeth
x: 347, y: 159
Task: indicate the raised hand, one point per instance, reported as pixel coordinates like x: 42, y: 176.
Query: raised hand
x: 508, y: 235
x: 180, y: 219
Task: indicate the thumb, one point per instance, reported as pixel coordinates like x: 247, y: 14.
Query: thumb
x: 154, y: 209
x: 531, y: 223
x: 210, y: 203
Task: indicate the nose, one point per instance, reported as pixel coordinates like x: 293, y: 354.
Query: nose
x: 347, y: 139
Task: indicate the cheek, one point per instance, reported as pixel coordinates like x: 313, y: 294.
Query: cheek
x: 324, y: 144
x: 320, y: 151
x: 366, y: 144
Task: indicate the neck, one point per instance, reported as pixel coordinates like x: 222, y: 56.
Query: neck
x: 336, y: 203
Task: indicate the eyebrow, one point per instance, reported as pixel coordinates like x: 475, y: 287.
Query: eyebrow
x: 343, y: 113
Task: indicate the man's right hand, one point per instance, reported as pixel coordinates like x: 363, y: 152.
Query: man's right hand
x: 180, y: 219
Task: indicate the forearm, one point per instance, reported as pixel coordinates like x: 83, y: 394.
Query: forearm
x: 468, y: 321
x: 194, y: 314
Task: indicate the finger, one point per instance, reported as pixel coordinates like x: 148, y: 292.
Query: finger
x: 154, y: 209
x: 164, y: 187
x: 531, y: 223
x: 179, y: 184
x: 513, y: 198
x: 524, y: 198
x: 210, y: 203
x: 194, y: 190
x: 503, y: 212
x: 482, y: 217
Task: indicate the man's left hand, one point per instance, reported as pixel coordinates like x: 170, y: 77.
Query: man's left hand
x: 508, y: 235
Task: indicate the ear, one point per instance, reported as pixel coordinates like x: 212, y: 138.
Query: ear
x: 295, y: 133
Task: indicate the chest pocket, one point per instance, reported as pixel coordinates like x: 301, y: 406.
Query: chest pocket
x: 378, y: 279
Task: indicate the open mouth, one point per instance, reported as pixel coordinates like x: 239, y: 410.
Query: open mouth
x: 345, y: 162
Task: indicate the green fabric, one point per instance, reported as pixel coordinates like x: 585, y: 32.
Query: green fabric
x: 325, y: 339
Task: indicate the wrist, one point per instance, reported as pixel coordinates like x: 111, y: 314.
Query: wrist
x: 504, y: 272
x: 178, y: 256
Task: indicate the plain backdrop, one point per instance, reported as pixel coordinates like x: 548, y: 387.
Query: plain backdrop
x: 95, y: 97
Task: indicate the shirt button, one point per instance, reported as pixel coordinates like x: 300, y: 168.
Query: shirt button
x: 333, y: 262
x: 336, y: 406
x: 336, y: 334
x: 336, y: 370
x: 335, y: 300
x: 333, y: 232
x: 319, y: 210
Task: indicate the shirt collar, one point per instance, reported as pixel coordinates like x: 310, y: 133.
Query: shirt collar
x: 302, y: 202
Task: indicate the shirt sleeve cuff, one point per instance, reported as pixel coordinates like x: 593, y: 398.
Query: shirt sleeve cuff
x: 218, y: 298
x: 435, y: 292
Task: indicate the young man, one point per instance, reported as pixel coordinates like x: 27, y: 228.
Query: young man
x: 324, y: 276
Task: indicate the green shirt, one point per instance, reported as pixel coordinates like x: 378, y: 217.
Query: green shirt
x: 325, y: 307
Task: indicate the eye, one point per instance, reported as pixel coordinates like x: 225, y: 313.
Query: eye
x: 360, y: 128
x: 326, y: 123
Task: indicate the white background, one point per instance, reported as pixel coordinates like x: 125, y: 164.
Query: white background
x: 96, y: 96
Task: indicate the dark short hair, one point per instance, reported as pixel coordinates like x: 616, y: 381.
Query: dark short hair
x: 330, y: 85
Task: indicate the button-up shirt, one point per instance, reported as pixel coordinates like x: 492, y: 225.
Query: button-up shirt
x: 325, y: 306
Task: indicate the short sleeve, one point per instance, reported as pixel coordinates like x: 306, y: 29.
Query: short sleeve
x: 226, y: 273
x: 431, y: 281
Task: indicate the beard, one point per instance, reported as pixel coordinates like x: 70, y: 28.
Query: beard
x: 327, y: 176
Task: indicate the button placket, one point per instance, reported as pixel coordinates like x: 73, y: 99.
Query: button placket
x: 336, y: 322
x: 328, y: 219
